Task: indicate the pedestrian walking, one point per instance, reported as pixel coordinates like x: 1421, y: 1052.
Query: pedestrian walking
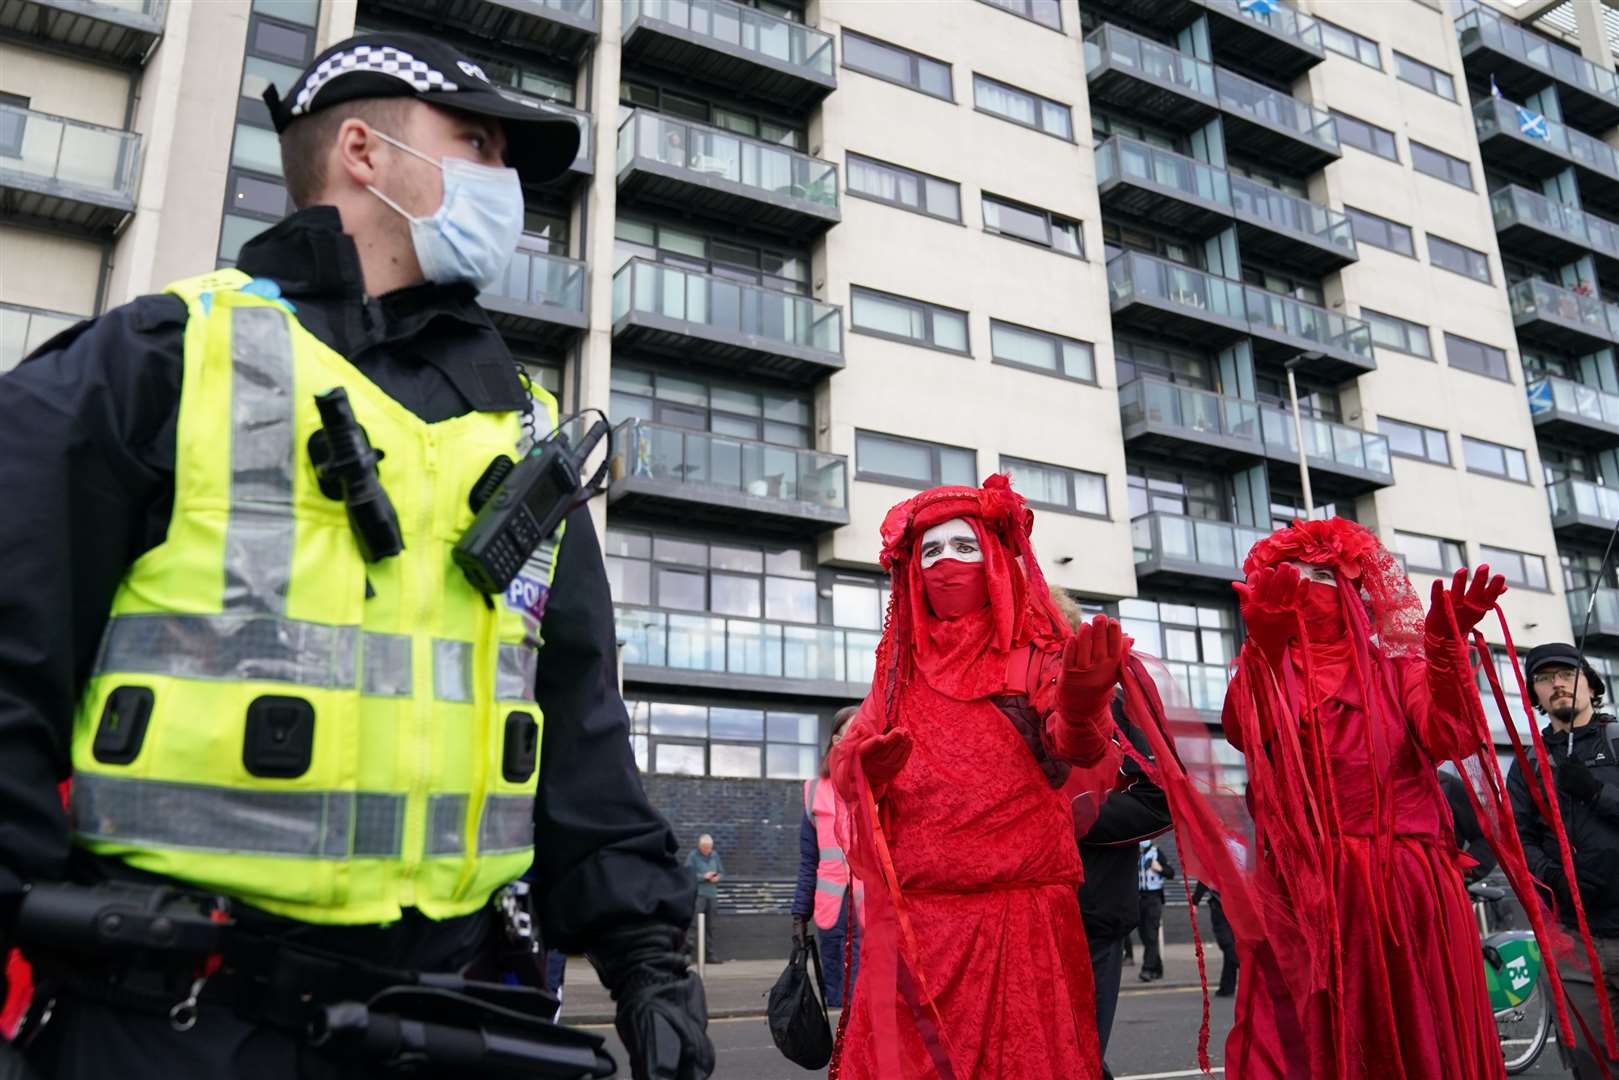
x: 827, y: 893
x: 1153, y: 869
x: 1222, y: 937
x: 706, y: 868
x: 234, y: 617
x: 1583, y: 744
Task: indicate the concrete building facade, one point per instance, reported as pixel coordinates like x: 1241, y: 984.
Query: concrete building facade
x: 813, y: 257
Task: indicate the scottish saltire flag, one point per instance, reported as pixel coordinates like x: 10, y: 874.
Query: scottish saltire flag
x: 1533, y: 124
x: 1495, y: 91
x: 1258, y: 7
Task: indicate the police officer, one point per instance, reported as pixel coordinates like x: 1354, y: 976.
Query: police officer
x: 358, y: 753
x: 1584, y: 748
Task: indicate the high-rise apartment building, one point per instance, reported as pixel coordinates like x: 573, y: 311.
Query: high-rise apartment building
x: 812, y: 258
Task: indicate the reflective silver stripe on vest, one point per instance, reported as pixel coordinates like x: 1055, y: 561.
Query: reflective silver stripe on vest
x: 446, y: 824
x: 258, y: 537
x: 832, y: 853
x: 514, y: 673
x: 452, y: 670
x: 831, y: 888
x: 507, y: 824
x: 385, y: 665
x: 235, y: 648
x: 299, y: 824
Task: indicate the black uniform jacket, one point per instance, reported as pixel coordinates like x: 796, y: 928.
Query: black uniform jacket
x: 1109, y: 902
x: 87, y: 446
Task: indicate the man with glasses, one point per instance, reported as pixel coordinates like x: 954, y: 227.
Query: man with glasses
x: 1584, y: 748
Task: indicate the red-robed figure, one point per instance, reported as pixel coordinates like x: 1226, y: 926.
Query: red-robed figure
x: 1345, y: 699
x: 986, y: 718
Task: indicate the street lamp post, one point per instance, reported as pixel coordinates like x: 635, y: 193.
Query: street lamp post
x: 1298, y: 429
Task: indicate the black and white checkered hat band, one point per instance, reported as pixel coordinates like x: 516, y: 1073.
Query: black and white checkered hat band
x: 383, y: 59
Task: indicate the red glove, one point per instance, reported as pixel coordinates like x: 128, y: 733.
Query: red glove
x: 881, y: 756
x: 1269, y: 601
x: 1092, y: 665
x: 1471, y: 600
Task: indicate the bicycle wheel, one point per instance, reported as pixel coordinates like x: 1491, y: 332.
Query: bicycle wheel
x: 1524, y: 1030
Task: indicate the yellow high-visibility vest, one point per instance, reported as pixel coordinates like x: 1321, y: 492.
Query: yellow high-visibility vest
x: 272, y: 718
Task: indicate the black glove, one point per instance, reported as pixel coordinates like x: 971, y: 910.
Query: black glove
x: 662, y: 1014
x: 801, y: 930
x: 1576, y: 781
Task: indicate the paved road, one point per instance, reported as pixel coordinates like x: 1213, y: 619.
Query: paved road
x: 1154, y: 1038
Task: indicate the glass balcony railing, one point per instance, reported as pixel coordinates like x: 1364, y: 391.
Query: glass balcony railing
x: 1513, y: 205
x: 739, y: 466
x: 1280, y: 18
x: 1215, y: 545
x: 1553, y: 393
x: 537, y: 278
x: 1536, y: 299
x: 97, y: 160
x: 1604, y: 614
x: 727, y: 306
x: 1121, y: 158
x: 1117, y: 47
x: 1494, y: 115
x: 695, y: 641
x: 1560, y: 63
x: 1328, y: 440
x: 1602, y: 234
x: 1290, y: 318
x: 1289, y: 213
x: 1132, y: 275
x: 768, y: 169
x: 1581, y: 498
x: 24, y: 329
x: 747, y: 29
x: 1189, y: 409
x: 584, y: 10
x: 1275, y: 109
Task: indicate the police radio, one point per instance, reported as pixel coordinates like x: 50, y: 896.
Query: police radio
x: 519, y: 506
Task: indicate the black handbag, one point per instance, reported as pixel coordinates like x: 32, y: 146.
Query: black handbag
x: 798, y: 1020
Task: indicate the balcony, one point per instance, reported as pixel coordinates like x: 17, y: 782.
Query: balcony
x: 1283, y: 328
x: 1521, y: 62
x: 1159, y: 296
x: 1268, y: 125
x: 1583, y: 511
x: 754, y: 655
x: 747, y: 51
x: 583, y: 166
x: 1185, y: 421
x: 690, y: 315
x: 563, y: 28
x: 122, y: 32
x: 540, y: 298
x: 1285, y: 229
x: 24, y: 329
x: 1283, y: 41
x: 693, y: 167
x: 1559, y: 318
x: 1162, y: 186
x: 1604, y: 626
x: 1529, y: 225
x: 1517, y: 142
x: 699, y: 476
x: 65, y: 173
x: 1137, y: 74
x: 1171, y: 549
x: 1565, y: 409
x: 1344, y: 461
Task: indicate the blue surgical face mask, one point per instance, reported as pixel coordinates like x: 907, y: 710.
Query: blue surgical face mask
x: 475, y: 230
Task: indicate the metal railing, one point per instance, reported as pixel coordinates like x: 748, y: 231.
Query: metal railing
x: 1121, y: 157
x: 24, y: 329
x: 537, y: 278
x: 1274, y: 108
x: 1533, y: 298
x: 1297, y: 319
x: 1513, y: 205
x: 1603, y: 235
x: 1552, y: 59
x: 695, y: 641
x: 710, y: 151
x: 1493, y: 114
x: 1290, y: 213
x: 727, y: 305
x: 1605, y: 614
x: 743, y: 466
x: 1583, y: 499
x: 1132, y: 274
x: 578, y: 9
x: 1284, y: 20
x: 1328, y: 440
x: 1190, y: 409
x: 1550, y: 393
x: 1120, y: 48
x: 745, y: 28
x: 1221, y: 545
x: 87, y: 156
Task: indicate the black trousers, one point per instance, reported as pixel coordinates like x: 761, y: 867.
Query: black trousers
x: 1107, y: 967
x: 1152, y: 917
x: 706, y: 906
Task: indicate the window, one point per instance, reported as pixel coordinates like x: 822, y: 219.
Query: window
x: 526, y: 76
x: 904, y: 188
x: 1044, y: 12
x: 698, y: 404
x: 1176, y: 491
x: 912, y: 462
x: 678, y: 573
x: 1367, y: 137
x: 1137, y: 359
x: 1306, y: 289
x: 885, y: 315
x: 858, y: 601
x: 1519, y: 568
x: 1007, y: 218
x: 1493, y: 459
x: 1381, y: 232
x: 692, y: 739
x: 1022, y: 107
x: 1475, y: 356
x: 12, y: 124
x: 1070, y: 491
x: 742, y: 122
x: 1018, y: 346
x: 1389, y: 332
x: 1195, y: 640
x: 1441, y: 166
x: 774, y: 268
x: 1350, y: 44
x: 1458, y: 259
x: 1430, y: 553
x: 1415, y: 441
x: 1414, y: 71
x: 884, y: 61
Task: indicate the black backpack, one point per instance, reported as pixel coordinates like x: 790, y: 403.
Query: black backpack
x: 798, y: 1020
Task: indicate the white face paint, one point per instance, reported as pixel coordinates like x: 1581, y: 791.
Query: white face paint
x: 953, y: 539
x: 1321, y: 575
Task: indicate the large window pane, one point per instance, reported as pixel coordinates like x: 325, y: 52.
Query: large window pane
x: 891, y: 457
x: 732, y: 594
x: 958, y: 467
x: 678, y: 758
x: 681, y: 590
x: 674, y: 719
x: 725, y: 760
x: 857, y: 606
x: 790, y: 599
